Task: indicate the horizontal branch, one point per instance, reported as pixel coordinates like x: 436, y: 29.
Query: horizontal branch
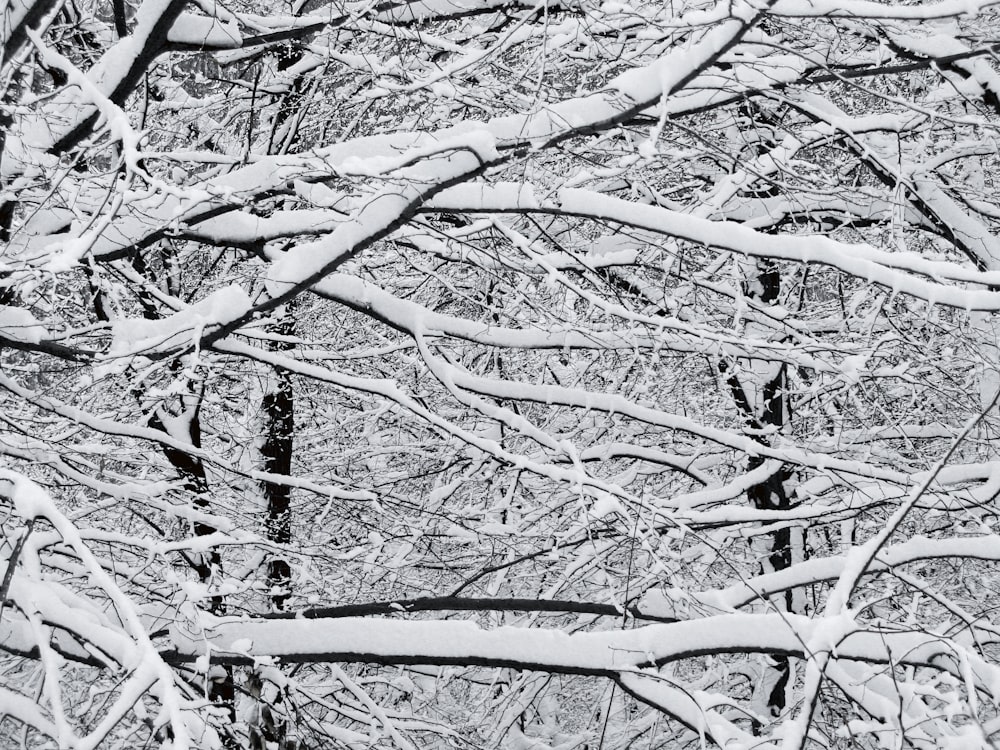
x: 605, y: 653
x: 466, y: 604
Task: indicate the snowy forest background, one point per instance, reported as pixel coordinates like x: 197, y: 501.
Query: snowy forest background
x: 476, y: 374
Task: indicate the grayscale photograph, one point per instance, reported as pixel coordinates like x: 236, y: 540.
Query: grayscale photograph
x: 499, y: 375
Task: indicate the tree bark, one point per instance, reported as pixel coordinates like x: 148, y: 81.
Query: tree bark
x: 760, y: 394
x: 271, y: 729
x: 278, y: 407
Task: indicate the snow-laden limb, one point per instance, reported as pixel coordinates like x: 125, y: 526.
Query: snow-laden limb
x: 635, y: 90
x: 961, y: 487
x: 18, y: 324
x: 110, y: 79
x: 761, y: 213
x: 721, y: 494
x: 145, y: 220
x: 112, y: 114
x: 641, y: 88
x: 821, y: 569
x: 972, y: 233
x: 309, y: 262
x: 692, y: 708
x: 874, y: 10
x: 464, y: 604
x: 148, y: 673
x: 78, y: 631
x: 434, y: 169
x: 603, y: 653
x: 933, y: 43
x: 205, y: 32
x: 184, y: 328
x: 670, y: 333
x: 150, y: 493
x: 914, y: 715
x: 20, y: 16
x: 203, y: 210
x: 689, y: 465
x: 823, y: 646
x: 497, y: 398
x: 482, y: 196
x: 244, y: 228
x: 861, y: 261
x: 925, y: 196
x: 458, y: 378
x: 97, y: 423
x: 391, y: 391
x: 25, y: 710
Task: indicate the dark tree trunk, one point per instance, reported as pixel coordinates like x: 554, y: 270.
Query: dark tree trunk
x: 278, y: 407
x: 222, y: 691
x: 279, y: 427
x: 761, y: 397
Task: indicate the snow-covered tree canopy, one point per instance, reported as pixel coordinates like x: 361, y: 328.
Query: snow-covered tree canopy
x: 456, y: 373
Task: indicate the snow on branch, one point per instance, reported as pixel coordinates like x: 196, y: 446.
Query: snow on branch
x: 862, y: 261
x: 605, y: 653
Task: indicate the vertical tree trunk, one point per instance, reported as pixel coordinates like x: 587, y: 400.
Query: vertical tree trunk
x: 271, y: 728
x: 278, y: 406
x: 760, y: 394
x: 222, y: 689
x: 279, y: 426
